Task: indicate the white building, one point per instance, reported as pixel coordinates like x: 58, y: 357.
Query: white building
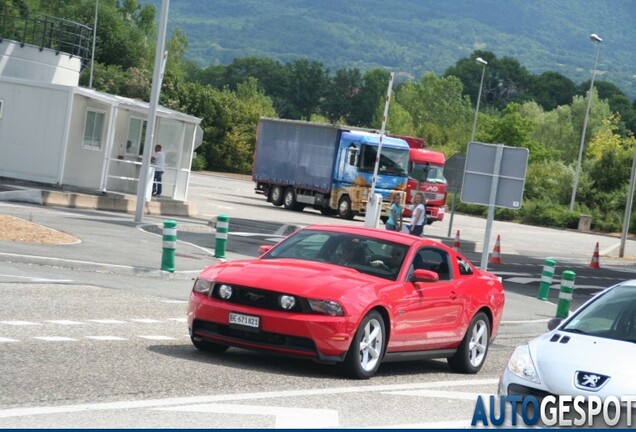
x: 53, y: 131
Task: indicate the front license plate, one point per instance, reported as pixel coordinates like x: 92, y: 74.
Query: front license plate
x: 245, y: 320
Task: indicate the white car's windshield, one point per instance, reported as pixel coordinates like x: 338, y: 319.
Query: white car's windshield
x: 612, y: 315
x: 365, y: 254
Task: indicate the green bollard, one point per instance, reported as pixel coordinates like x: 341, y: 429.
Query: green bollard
x: 546, y: 279
x: 222, y: 225
x: 565, y: 294
x: 169, y: 245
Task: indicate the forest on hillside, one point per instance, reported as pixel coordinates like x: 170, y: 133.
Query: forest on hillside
x: 542, y: 112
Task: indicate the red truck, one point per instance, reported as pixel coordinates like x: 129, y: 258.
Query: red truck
x: 429, y: 166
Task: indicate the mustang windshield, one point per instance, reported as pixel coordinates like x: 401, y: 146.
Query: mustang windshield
x: 612, y: 316
x: 367, y: 255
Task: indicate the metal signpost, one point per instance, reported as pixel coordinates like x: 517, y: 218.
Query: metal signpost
x: 494, y: 176
x: 454, y: 175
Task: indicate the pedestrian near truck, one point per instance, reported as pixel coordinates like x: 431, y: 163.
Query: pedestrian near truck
x: 418, y: 219
x: 394, y: 223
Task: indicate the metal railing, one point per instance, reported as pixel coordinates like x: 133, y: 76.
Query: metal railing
x: 43, y: 31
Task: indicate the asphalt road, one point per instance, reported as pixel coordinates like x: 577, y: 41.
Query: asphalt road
x: 95, y: 336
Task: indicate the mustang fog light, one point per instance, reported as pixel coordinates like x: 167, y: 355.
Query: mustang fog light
x: 225, y: 292
x: 287, y: 302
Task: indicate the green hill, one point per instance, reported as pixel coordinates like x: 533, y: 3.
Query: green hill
x: 415, y: 36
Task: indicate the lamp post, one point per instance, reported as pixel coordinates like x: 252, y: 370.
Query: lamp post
x: 484, y: 63
x: 594, y: 38
x: 90, y: 80
x: 481, y: 84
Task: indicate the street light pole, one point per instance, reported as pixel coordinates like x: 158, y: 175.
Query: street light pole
x: 481, y: 84
x: 483, y: 62
x: 90, y: 80
x: 594, y: 38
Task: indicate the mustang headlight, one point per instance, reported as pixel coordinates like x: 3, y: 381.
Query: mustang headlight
x: 521, y: 364
x: 225, y: 291
x: 202, y: 286
x: 326, y: 307
x: 287, y: 302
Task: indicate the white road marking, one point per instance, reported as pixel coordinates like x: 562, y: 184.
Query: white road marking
x: 444, y: 394
x: 19, y: 323
x: 63, y: 322
x: 180, y: 320
x: 35, y: 279
x: 174, y: 301
x: 108, y: 321
x: 522, y: 280
x: 55, y: 338
x: 107, y: 338
x: 146, y: 320
x: 3, y: 340
x: 154, y: 403
x: 157, y: 337
x: 525, y: 321
x: 456, y: 424
x: 295, y: 418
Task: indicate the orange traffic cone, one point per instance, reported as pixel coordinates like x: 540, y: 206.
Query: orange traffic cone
x: 456, y: 242
x: 495, y: 257
x: 595, y: 263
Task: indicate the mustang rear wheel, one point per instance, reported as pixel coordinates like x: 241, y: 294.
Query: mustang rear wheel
x: 471, y: 354
x: 208, y: 346
x: 367, y: 348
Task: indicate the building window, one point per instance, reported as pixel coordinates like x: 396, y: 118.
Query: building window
x: 136, y: 137
x: 93, y: 128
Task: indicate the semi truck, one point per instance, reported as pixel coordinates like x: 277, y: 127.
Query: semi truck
x: 327, y: 167
x: 426, y: 174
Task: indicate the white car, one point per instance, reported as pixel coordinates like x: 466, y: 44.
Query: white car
x: 591, y: 353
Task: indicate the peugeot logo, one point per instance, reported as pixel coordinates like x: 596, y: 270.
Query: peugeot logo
x: 589, y: 381
x: 254, y: 297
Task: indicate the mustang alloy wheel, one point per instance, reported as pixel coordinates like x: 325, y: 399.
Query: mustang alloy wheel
x: 367, y: 348
x: 471, y: 354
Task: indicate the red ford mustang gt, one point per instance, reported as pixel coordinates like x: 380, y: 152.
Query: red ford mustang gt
x: 350, y: 295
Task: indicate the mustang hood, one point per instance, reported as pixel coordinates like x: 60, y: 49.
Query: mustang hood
x: 299, y: 277
x: 559, y: 355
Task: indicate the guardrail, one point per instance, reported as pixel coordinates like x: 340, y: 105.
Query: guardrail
x: 43, y: 31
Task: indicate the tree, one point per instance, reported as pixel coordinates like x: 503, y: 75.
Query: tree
x: 440, y: 112
x: 371, y: 95
x: 339, y: 97
x: 305, y: 86
x: 551, y: 89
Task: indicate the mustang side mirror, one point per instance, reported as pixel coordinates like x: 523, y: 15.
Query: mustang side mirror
x: 554, y: 323
x: 421, y: 275
x: 262, y: 249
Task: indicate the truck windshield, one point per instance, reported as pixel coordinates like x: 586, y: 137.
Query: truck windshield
x: 434, y: 174
x: 392, y: 161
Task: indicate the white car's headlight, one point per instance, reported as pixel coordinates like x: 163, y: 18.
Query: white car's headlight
x: 202, y: 286
x: 326, y: 307
x: 521, y: 364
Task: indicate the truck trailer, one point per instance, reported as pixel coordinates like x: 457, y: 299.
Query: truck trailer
x: 327, y: 167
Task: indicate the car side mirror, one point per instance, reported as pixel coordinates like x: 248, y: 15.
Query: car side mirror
x: 554, y: 323
x: 422, y: 275
x: 263, y: 249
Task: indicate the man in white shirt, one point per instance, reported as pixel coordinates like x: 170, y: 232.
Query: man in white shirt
x: 159, y: 162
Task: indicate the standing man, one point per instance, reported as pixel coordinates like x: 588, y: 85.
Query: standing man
x: 159, y: 162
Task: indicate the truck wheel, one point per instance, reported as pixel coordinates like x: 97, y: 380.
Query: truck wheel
x: 290, y: 202
x: 276, y: 195
x: 344, y: 208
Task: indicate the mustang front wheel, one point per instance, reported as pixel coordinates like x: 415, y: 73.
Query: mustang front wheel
x: 471, y: 354
x: 367, y: 348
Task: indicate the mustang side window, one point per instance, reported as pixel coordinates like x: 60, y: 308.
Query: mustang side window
x: 435, y: 260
